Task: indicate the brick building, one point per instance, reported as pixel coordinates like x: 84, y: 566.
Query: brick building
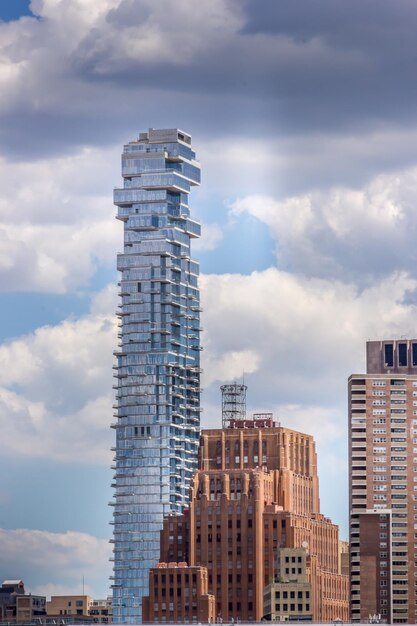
x: 383, y: 483
x: 256, y: 491
x: 179, y: 593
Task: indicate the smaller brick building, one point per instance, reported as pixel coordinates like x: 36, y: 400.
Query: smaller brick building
x: 178, y: 593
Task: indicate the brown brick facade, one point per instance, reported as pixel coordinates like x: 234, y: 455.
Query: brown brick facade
x: 256, y: 492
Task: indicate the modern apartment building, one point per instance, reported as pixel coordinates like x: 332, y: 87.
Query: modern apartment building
x: 158, y: 360
x: 255, y: 493
x: 383, y: 484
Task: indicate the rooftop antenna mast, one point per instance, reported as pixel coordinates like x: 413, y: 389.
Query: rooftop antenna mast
x: 233, y: 404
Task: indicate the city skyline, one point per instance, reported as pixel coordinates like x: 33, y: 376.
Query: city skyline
x: 305, y: 120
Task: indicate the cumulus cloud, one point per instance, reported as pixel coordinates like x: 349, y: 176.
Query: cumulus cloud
x: 304, y: 336
x: 40, y: 558
x: 212, y: 234
x: 56, y: 221
x: 227, y: 68
x: 350, y: 233
x: 56, y: 388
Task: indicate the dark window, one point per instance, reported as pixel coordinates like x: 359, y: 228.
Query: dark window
x: 402, y: 354
x: 292, y: 607
x: 414, y: 353
x: 283, y: 523
x: 389, y: 355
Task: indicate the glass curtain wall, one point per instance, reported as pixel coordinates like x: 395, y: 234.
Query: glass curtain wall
x: 158, y: 361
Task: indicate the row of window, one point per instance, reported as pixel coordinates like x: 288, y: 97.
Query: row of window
x: 291, y: 607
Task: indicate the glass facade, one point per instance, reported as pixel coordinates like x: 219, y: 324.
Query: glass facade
x: 158, y: 361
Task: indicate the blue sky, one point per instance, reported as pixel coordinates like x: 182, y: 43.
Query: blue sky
x: 13, y: 9
x: 303, y: 116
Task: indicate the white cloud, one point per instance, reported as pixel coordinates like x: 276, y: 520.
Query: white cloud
x: 57, y: 221
x: 212, y: 234
x: 231, y: 365
x: 304, y: 336
x: 41, y: 558
x: 56, y: 388
x: 343, y: 232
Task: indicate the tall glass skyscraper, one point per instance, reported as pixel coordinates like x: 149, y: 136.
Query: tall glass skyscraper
x: 158, y: 360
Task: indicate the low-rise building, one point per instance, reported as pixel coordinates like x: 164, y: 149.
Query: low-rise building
x: 289, y: 596
x: 29, y: 607
x: 178, y: 593
x: 69, y: 605
x: 102, y: 611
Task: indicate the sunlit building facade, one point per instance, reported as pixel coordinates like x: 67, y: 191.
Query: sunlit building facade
x: 383, y: 484
x: 256, y: 493
x: 158, y: 361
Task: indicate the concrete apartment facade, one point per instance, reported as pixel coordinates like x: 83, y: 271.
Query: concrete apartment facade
x: 289, y: 596
x: 69, y: 605
x: 256, y: 492
x: 383, y: 484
